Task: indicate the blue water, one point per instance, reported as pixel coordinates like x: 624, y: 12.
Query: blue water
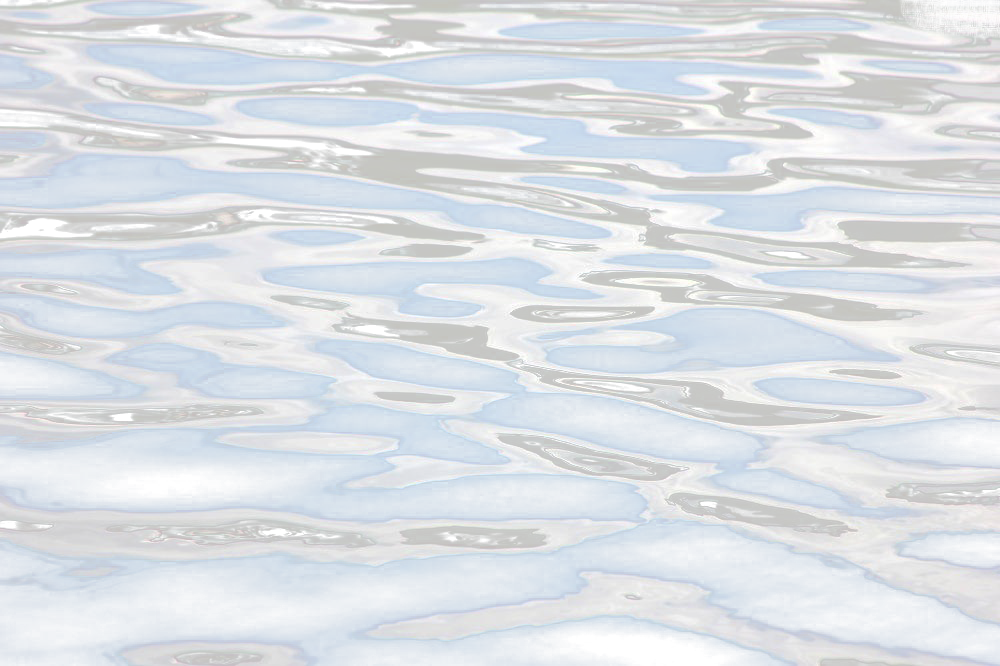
x: 499, y: 334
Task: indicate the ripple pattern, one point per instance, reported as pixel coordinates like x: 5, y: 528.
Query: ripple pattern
x: 507, y: 333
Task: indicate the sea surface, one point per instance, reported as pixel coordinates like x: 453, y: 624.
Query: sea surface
x: 500, y: 333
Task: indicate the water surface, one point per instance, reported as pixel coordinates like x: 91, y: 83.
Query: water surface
x: 450, y: 332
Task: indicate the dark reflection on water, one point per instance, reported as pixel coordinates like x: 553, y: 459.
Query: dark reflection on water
x: 692, y: 398
x: 414, y: 397
x: 474, y: 537
x: 855, y: 662
x: 577, y: 313
x: 226, y: 658
x: 51, y: 288
x: 30, y: 343
x: 318, y: 303
x: 130, y: 416
x: 135, y: 226
x: 462, y: 340
x: 589, y: 461
x: 991, y: 356
x: 786, y: 253
x: 697, y: 288
x: 356, y: 332
x: 251, y: 530
x: 729, y: 508
x: 986, y: 492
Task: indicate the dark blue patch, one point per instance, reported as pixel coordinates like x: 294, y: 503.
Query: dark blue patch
x: 436, y: 307
x: 21, y: 140
x: 623, y: 425
x: 661, y: 261
x: 912, y: 66
x: 175, y: 470
x: 527, y: 222
x: 317, y: 237
x: 620, y: 360
x: 15, y: 75
x: 838, y: 280
x: 830, y: 117
x: 19, y: 564
x: 392, y: 362
x: 838, y: 393
x: 27, y: 378
x: 500, y: 497
x: 317, y: 111
x: 233, y: 381
x: 570, y: 137
x: 149, y: 114
x: 140, y: 8
x: 813, y: 24
x: 727, y: 336
x: 588, y: 30
x: 162, y: 357
x: 401, y: 277
x: 72, y: 319
x: 765, y: 482
x: 965, y: 550
x: 108, y: 267
x: 586, y: 184
x: 201, y: 371
x: 971, y: 442
x: 652, y: 75
x: 418, y: 434
x: 192, y: 64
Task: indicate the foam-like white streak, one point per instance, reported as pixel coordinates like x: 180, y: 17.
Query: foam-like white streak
x: 972, y: 549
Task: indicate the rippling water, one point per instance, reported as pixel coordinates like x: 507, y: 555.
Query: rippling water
x: 510, y: 333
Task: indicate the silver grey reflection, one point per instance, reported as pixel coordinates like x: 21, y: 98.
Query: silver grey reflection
x: 984, y: 492
x: 127, y: 417
x: 745, y: 511
x: 591, y: 461
x: 217, y: 658
x: 474, y: 537
x: 248, y: 531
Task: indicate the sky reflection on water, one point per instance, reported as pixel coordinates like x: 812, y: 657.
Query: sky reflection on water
x: 531, y: 332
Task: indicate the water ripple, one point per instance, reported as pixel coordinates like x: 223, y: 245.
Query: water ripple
x: 510, y: 331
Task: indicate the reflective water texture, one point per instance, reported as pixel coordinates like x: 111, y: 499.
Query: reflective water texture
x: 506, y: 333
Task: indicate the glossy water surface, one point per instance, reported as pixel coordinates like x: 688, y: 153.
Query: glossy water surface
x: 500, y: 333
